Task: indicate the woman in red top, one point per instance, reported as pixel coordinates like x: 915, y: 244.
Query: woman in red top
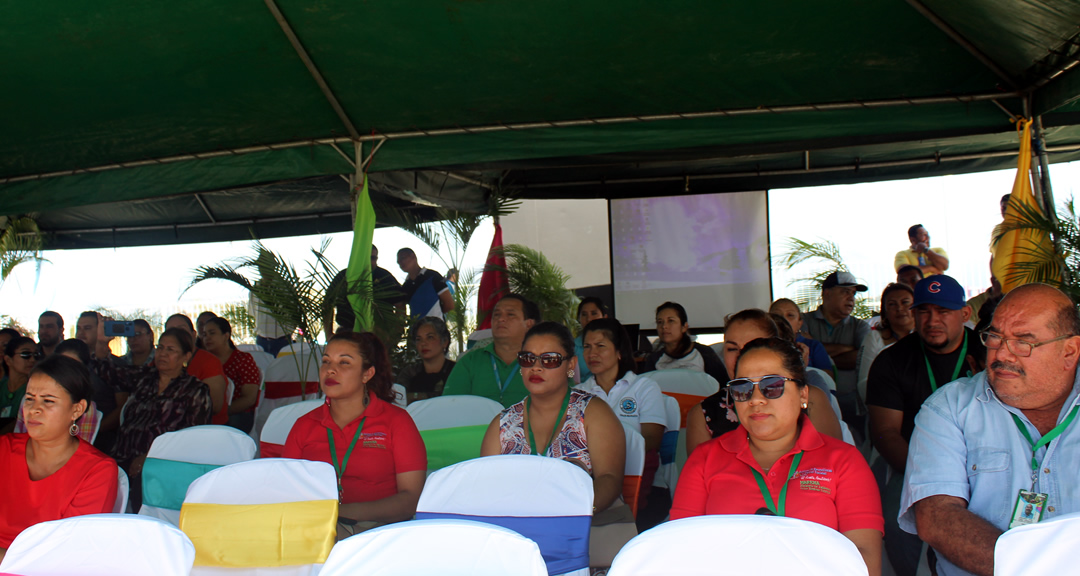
x: 375, y: 448
x: 49, y: 473
x: 777, y: 463
x: 239, y: 367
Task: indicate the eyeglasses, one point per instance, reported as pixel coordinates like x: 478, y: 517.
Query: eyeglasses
x: 549, y: 360
x: 1021, y: 348
x: 771, y: 386
x: 26, y: 355
x: 137, y: 334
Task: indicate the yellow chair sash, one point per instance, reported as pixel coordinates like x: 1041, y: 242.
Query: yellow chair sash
x: 261, y: 535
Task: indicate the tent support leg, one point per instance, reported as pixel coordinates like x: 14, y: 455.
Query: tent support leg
x: 1044, y: 170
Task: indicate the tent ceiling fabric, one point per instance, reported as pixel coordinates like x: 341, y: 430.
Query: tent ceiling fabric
x: 117, y: 114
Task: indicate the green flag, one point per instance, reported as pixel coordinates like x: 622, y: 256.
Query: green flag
x: 359, y: 272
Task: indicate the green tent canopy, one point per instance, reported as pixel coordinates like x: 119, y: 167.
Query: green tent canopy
x: 131, y: 123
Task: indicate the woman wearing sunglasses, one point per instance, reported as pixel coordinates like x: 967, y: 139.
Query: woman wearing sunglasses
x: 20, y: 355
x: 776, y: 462
x: 559, y: 422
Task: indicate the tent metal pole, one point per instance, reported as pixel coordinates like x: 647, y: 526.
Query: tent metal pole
x: 963, y: 42
x: 205, y: 208
x: 1044, y: 170
x: 310, y: 65
x: 458, y: 131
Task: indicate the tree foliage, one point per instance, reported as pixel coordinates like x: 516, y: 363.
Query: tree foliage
x: 1057, y: 264
x: 20, y: 242
x: 826, y: 254
x: 531, y: 274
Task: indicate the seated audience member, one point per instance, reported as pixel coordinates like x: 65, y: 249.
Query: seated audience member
x: 491, y: 371
x: 983, y: 305
x: 813, y: 378
x: 678, y: 351
x: 49, y: 473
x: 164, y: 398
x: 239, y: 367
x: 20, y: 355
x: 748, y: 471
x: 427, y: 377
x: 590, y: 308
x: 381, y: 482
x: 896, y: 322
x: 205, y: 367
x: 818, y: 357
x: 50, y: 332
x: 983, y: 444
x: 557, y: 421
x: 902, y: 377
x: 140, y: 345
x: 101, y: 394
x: 716, y: 415
x: 90, y: 328
x: 6, y: 335
x: 200, y: 323
x: 929, y: 260
x: 909, y: 275
x: 636, y: 400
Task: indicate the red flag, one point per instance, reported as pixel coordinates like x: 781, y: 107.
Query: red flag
x: 493, y: 284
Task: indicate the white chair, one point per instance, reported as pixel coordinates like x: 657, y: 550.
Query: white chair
x: 735, y: 545
x: 279, y: 424
x: 262, y: 359
x: 544, y: 499
x: 249, y: 348
x: 1043, y: 548
x: 399, y: 395
x: 824, y: 377
x: 443, y: 547
x: 178, y: 458
x: 688, y: 387
x: 270, y: 516
x: 100, y: 545
x: 635, y: 467
x: 123, y: 487
x: 300, y: 348
x: 289, y: 379
x: 453, y: 427
x: 667, y: 476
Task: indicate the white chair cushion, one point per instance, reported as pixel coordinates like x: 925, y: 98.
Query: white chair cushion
x: 453, y: 412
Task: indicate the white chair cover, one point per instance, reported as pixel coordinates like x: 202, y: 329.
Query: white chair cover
x: 635, y: 465
x: 262, y: 359
x: 279, y: 424
x: 453, y: 412
x: 443, y: 547
x: 294, y: 372
x: 399, y: 395
x: 249, y: 347
x: 1043, y: 548
x: 667, y: 476
x: 264, y: 481
x: 123, y: 487
x: 300, y: 348
x: 218, y: 445
x: 545, y: 499
x: 100, y: 545
x: 689, y: 382
x: 736, y: 545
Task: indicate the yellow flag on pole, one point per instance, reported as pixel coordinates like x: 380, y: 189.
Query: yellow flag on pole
x: 1017, y: 252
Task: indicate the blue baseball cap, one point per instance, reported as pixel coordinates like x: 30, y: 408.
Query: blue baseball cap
x: 940, y: 290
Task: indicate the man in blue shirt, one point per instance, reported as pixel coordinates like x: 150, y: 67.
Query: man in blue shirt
x: 981, y: 444
x: 425, y: 289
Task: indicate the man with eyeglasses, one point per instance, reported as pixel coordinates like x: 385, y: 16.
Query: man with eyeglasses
x: 902, y: 377
x: 985, y: 446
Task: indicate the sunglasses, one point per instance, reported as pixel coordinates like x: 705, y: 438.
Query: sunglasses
x: 26, y: 355
x: 549, y: 360
x: 771, y: 386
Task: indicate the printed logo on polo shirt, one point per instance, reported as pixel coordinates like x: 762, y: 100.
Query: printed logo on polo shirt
x: 374, y: 440
x: 816, y: 480
x: 628, y: 406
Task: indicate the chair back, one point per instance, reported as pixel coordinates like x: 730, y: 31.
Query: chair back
x: 453, y: 427
x: 261, y: 357
x: 176, y: 459
x: 249, y: 348
x: 399, y: 395
x: 747, y: 544
x: 100, y: 545
x: 688, y: 387
x: 544, y: 499
x: 287, y: 380
x: 123, y: 487
x: 829, y: 382
x: 668, y: 473
x: 300, y: 348
x: 1043, y: 548
x: 635, y: 467
x: 279, y: 424
x: 271, y: 515
x: 450, y: 547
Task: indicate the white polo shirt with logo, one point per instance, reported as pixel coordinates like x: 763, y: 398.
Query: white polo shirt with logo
x: 635, y: 399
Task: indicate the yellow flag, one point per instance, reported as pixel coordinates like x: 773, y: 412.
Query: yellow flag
x: 1021, y: 246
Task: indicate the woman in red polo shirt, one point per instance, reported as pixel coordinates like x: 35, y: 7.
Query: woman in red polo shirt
x: 375, y: 448
x: 777, y: 463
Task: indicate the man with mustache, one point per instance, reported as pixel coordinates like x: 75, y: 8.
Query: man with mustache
x: 984, y: 446
x: 902, y: 377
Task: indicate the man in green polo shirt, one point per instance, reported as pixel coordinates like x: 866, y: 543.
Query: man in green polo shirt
x: 492, y: 371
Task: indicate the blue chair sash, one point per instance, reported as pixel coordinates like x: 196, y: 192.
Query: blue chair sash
x: 165, y: 482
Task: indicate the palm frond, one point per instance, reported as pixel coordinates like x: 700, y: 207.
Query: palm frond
x: 21, y: 241
x: 532, y: 275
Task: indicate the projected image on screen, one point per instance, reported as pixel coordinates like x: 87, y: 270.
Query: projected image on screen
x: 707, y: 252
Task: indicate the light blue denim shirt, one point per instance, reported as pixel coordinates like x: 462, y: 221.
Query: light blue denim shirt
x: 966, y: 445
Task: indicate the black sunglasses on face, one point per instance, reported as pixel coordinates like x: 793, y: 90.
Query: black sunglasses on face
x: 549, y: 360
x: 771, y: 386
x: 26, y: 355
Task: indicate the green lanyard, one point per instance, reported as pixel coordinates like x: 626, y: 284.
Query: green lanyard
x: 777, y: 508
x: 956, y: 371
x: 1046, y: 439
x: 502, y: 384
x: 340, y: 468
x: 532, y: 439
